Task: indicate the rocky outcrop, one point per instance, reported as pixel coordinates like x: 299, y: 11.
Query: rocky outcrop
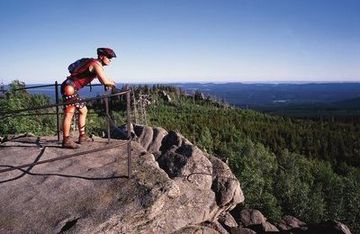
x: 174, y: 187
x: 251, y: 217
x: 254, y: 220
x: 166, y: 97
x: 289, y: 222
x: 228, y: 222
x: 180, y: 159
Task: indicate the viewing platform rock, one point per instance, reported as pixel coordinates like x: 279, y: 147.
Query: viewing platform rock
x: 174, y: 187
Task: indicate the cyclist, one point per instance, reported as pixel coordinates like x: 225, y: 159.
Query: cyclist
x: 80, y: 77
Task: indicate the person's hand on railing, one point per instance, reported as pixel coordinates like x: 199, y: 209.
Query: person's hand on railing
x: 109, y: 86
x: 111, y: 89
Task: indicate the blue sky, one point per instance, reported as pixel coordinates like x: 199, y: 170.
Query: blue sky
x: 183, y: 40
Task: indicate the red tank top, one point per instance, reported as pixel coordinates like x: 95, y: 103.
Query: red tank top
x: 84, y: 77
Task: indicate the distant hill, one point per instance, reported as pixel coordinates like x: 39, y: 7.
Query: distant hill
x: 255, y: 94
x: 252, y: 95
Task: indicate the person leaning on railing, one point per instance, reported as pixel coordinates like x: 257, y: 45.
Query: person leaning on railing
x: 69, y: 90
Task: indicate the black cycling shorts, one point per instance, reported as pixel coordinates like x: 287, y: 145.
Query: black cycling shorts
x: 71, y: 100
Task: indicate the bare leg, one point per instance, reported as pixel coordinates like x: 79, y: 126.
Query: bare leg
x: 68, y: 112
x: 82, y: 120
x: 68, y: 115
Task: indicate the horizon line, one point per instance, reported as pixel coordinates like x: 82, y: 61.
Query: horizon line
x: 216, y: 82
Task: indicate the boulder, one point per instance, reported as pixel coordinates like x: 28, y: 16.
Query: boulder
x: 227, y: 221
x: 268, y: 227
x: 216, y: 226
x: 144, y: 134
x: 342, y: 228
x: 251, y: 217
x: 158, y: 136
x: 289, y: 222
x: 225, y: 185
x: 254, y: 220
x: 166, y: 97
x: 179, y: 158
x: 187, y: 162
x: 196, y: 229
x: 241, y: 230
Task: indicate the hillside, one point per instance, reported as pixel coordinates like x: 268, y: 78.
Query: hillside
x: 327, y: 140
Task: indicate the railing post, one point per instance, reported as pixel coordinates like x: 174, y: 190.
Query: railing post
x: 128, y: 130
x: 57, y: 110
x: 108, y: 116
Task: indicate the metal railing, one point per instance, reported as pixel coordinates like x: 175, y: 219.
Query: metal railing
x: 105, y: 97
x: 57, y: 102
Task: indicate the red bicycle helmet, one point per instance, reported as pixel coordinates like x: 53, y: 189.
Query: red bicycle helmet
x: 106, y: 52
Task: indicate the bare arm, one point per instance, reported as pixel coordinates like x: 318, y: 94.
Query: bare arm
x: 101, y: 74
